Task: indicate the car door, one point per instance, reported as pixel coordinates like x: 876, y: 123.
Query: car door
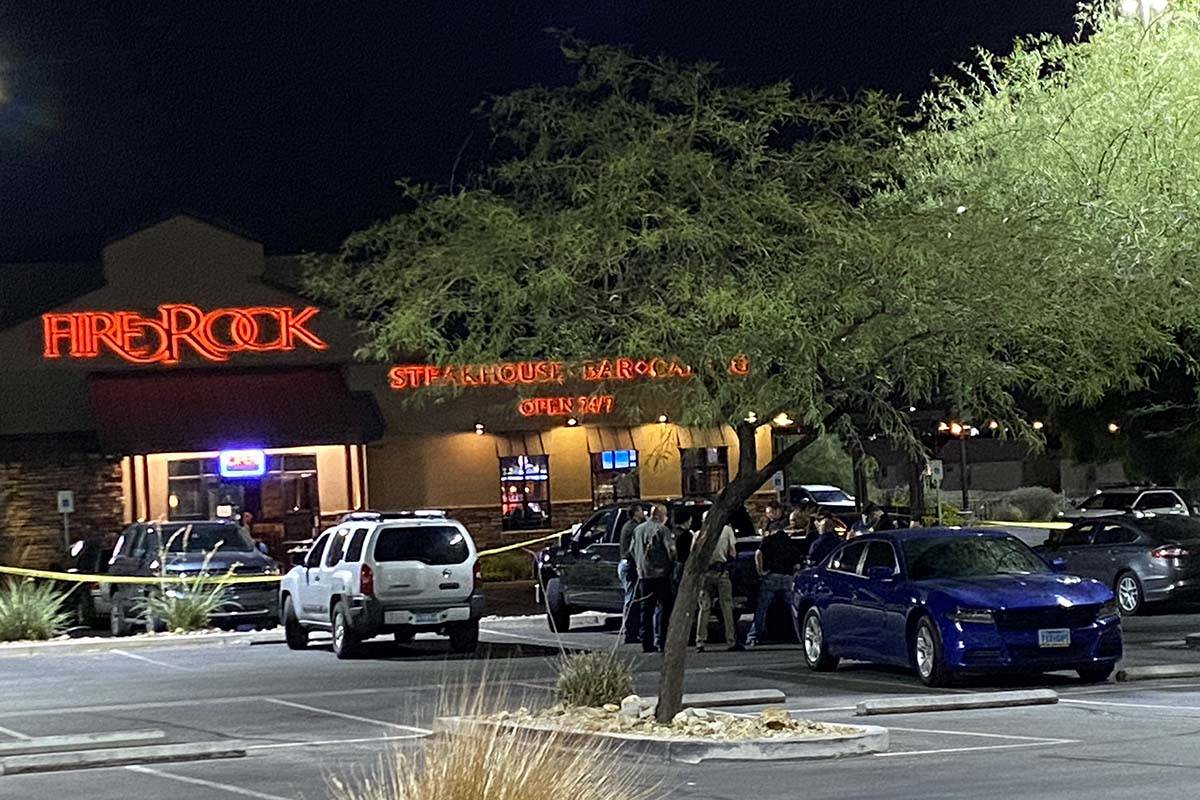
x: 1122, y: 546
x: 1074, y: 547
x: 1161, y: 502
x: 879, y: 605
x: 332, y: 577
x: 126, y: 560
x: 313, y: 601
x: 579, y: 569
x: 839, y: 617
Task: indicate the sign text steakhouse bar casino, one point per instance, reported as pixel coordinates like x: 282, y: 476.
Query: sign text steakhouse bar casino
x: 533, y: 373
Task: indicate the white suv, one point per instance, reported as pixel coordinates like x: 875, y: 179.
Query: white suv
x: 381, y: 572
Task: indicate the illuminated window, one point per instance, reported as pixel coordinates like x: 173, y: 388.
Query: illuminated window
x: 705, y: 470
x: 524, y: 492
x: 615, y: 476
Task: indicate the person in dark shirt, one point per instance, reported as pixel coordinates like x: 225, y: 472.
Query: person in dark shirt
x: 627, y: 573
x: 775, y: 560
x: 826, y: 540
x: 683, y: 542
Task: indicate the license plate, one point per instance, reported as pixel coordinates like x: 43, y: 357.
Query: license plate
x: 425, y: 619
x: 1054, y: 637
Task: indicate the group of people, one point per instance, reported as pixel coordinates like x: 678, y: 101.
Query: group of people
x: 654, y: 549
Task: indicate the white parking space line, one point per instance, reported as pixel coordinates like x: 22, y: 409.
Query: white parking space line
x: 13, y: 734
x: 1042, y: 739
x: 156, y: 663
x: 328, y: 742
x: 224, y: 787
x: 942, y: 750
x: 355, y: 718
x: 1144, y: 686
x: 523, y: 637
x: 1127, y: 705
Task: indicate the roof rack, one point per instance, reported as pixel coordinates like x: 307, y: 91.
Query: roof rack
x: 376, y: 516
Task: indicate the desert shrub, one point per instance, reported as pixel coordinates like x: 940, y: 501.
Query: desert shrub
x: 593, y: 679
x: 1036, y: 503
x: 1005, y: 511
x: 186, y: 604
x: 515, y: 565
x: 30, y: 610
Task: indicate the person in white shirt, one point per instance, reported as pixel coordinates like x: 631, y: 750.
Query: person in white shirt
x: 716, y: 579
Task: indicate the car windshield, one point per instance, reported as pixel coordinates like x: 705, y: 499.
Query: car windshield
x: 1108, y: 501
x: 830, y: 496
x: 429, y: 544
x: 936, y: 557
x: 199, y: 537
x: 1174, y: 528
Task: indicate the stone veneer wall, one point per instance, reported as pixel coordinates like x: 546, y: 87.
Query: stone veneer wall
x: 30, y: 526
x: 484, y: 522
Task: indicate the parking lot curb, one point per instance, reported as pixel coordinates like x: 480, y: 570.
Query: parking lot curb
x: 77, y: 646
x: 1159, y: 671
x: 955, y: 702
x: 745, y: 697
x: 866, y: 739
x: 120, y: 756
x: 79, y: 741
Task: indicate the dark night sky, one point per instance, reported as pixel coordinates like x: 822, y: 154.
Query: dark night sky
x: 291, y: 120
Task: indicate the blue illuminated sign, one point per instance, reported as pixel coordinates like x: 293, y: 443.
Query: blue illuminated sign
x: 242, y: 463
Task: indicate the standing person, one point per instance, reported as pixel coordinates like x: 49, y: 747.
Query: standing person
x: 631, y: 621
x: 802, y: 526
x: 681, y: 528
x: 775, y: 561
x: 825, y: 542
x: 654, y: 554
x: 864, y: 522
x: 716, y: 579
x: 774, y: 520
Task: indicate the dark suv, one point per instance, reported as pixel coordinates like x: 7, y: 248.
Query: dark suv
x: 185, y: 546
x: 580, y: 573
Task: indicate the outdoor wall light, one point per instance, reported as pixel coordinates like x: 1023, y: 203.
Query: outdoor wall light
x: 572, y: 422
x: 662, y: 417
x: 479, y: 428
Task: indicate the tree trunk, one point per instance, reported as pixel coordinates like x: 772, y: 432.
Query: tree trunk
x: 748, y: 479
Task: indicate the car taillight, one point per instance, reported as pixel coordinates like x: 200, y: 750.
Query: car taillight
x: 367, y: 581
x: 478, y: 574
x: 1170, y: 551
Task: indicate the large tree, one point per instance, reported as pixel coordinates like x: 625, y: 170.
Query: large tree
x: 649, y: 207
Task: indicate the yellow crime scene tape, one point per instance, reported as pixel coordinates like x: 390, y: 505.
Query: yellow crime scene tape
x: 1045, y: 526
x: 79, y: 577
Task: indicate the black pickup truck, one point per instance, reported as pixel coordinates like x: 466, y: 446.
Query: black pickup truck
x: 579, y: 573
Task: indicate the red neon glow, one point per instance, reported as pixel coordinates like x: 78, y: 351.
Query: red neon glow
x: 529, y: 373
x: 179, y: 328
x: 566, y: 406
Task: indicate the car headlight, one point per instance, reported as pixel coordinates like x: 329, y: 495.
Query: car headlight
x: 271, y: 570
x: 1109, y: 610
x: 981, y: 616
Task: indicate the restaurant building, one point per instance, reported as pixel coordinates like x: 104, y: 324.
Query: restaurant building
x: 195, y: 380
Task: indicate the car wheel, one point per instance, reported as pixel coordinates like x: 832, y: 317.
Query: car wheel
x: 1095, y: 673
x: 293, y: 631
x: 117, y: 624
x: 345, y: 642
x: 1129, y: 594
x: 812, y: 636
x: 928, y: 655
x: 558, y: 615
x: 464, y: 636
x: 85, y: 610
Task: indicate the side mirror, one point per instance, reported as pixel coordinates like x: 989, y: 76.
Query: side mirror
x: 880, y: 573
x: 564, y: 541
x: 1058, y: 564
x: 298, y: 559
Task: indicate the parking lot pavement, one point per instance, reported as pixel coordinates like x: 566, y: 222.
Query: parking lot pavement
x: 307, y: 715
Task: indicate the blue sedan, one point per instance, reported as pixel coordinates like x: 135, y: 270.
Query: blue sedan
x: 947, y: 602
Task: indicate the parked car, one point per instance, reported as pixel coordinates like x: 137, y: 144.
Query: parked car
x: 185, y: 546
x: 89, y: 602
x: 1146, y: 558
x: 580, y: 572
x: 398, y: 573
x: 829, y: 498
x: 1115, y: 501
x: 947, y: 601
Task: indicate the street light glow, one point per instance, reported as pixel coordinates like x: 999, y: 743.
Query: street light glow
x: 1145, y: 10
x: 782, y: 420
x: 956, y: 429
x: 1113, y: 427
x: 1038, y: 424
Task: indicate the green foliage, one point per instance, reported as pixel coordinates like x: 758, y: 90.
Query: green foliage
x: 1033, y: 503
x: 187, y: 604
x: 30, y: 610
x: 515, y: 565
x: 824, y: 461
x: 593, y: 679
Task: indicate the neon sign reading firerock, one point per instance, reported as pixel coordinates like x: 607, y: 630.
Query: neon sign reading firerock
x: 179, y: 327
x: 532, y: 373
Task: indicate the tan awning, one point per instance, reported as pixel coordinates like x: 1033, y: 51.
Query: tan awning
x: 691, y: 438
x: 606, y: 438
x: 527, y: 443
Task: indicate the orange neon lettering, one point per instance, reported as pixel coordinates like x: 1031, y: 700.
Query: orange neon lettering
x: 180, y: 329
